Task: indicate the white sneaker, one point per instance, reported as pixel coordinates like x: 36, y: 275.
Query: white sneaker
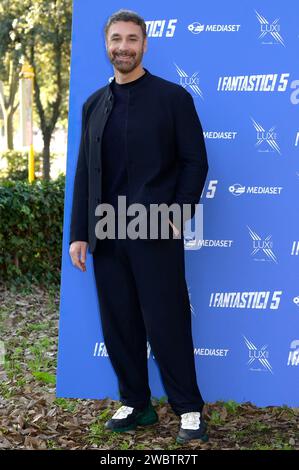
x: 192, y: 426
x: 123, y: 412
x: 190, y: 420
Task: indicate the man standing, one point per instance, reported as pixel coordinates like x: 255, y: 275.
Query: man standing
x: 141, y: 139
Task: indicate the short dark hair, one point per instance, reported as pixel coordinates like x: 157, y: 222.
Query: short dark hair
x: 126, y: 15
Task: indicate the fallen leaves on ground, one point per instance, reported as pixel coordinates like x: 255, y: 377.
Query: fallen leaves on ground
x: 32, y: 418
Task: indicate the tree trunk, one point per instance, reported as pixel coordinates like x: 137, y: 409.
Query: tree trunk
x: 8, y: 106
x: 46, y: 154
x: 9, y: 131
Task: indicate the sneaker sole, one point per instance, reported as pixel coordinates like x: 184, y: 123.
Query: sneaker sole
x: 181, y: 440
x: 132, y: 426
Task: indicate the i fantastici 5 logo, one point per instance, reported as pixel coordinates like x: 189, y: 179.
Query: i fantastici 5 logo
x: 100, y: 350
x: 259, y: 300
x: 258, y: 357
x: 196, y: 28
x: 293, y: 358
x: 191, y: 82
x: 262, y: 247
x: 160, y: 28
x: 266, y: 140
x: 270, y: 82
x: 270, y: 32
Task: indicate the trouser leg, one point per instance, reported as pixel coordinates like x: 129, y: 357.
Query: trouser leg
x: 159, y: 271
x: 122, y: 323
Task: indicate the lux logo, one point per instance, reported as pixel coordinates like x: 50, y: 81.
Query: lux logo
x: 262, y: 244
x: 265, y: 245
x: 261, y: 354
x: 266, y: 136
x: 256, y: 354
x: 191, y: 82
x: 269, y: 28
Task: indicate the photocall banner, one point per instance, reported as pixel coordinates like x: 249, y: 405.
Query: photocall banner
x: 239, y: 61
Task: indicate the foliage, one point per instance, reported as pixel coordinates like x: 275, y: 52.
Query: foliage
x: 31, y: 219
x: 16, y: 165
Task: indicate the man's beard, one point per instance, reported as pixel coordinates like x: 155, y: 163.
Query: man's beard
x: 126, y: 66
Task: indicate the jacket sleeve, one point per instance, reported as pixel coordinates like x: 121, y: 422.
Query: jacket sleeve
x: 79, y: 214
x: 191, y: 152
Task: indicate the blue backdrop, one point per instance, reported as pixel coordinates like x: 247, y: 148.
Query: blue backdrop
x: 239, y: 60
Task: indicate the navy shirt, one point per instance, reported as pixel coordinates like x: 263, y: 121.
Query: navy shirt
x: 114, y: 145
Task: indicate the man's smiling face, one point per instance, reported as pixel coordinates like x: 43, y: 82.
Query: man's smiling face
x: 125, y: 45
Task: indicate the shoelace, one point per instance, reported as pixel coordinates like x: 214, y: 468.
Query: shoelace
x: 190, y: 420
x: 123, y: 412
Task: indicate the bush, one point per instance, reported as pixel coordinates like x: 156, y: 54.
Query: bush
x: 31, y: 222
x: 16, y: 163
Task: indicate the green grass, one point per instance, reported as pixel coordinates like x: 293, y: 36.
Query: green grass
x: 66, y: 405
x: 277, y: 445
x: 5, y: 391
x: 38, y: 326
x: 161, y: 400
x: 231, y: 406
x: 98, y: 435
x: 215, y: 418
x: 45, y: 377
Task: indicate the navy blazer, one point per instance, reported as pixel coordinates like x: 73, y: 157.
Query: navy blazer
x: 167, y: 160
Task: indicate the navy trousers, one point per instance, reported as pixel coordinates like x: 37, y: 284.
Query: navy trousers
x: 143, y: 297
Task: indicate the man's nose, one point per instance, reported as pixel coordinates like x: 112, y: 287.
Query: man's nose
x: 123, y: 46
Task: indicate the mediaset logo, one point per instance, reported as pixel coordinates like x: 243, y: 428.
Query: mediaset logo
x: 262, y: 247
x: 266, y: 140
x: 270, y: 32
x: 160, y: 28
x: 197, y: 28
x: 293, y: 358
x: 212, y: 352
x: 215, y: 243
x: 258, y: 357
x: 296, y: 300
x: 261, y: 82
x: 255, y: 300
x: 220, y: 135
x: 239, y: 189
x: 190, y: 82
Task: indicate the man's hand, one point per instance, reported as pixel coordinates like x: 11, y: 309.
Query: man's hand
x: 78, y: 254
x: 175, y: 230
